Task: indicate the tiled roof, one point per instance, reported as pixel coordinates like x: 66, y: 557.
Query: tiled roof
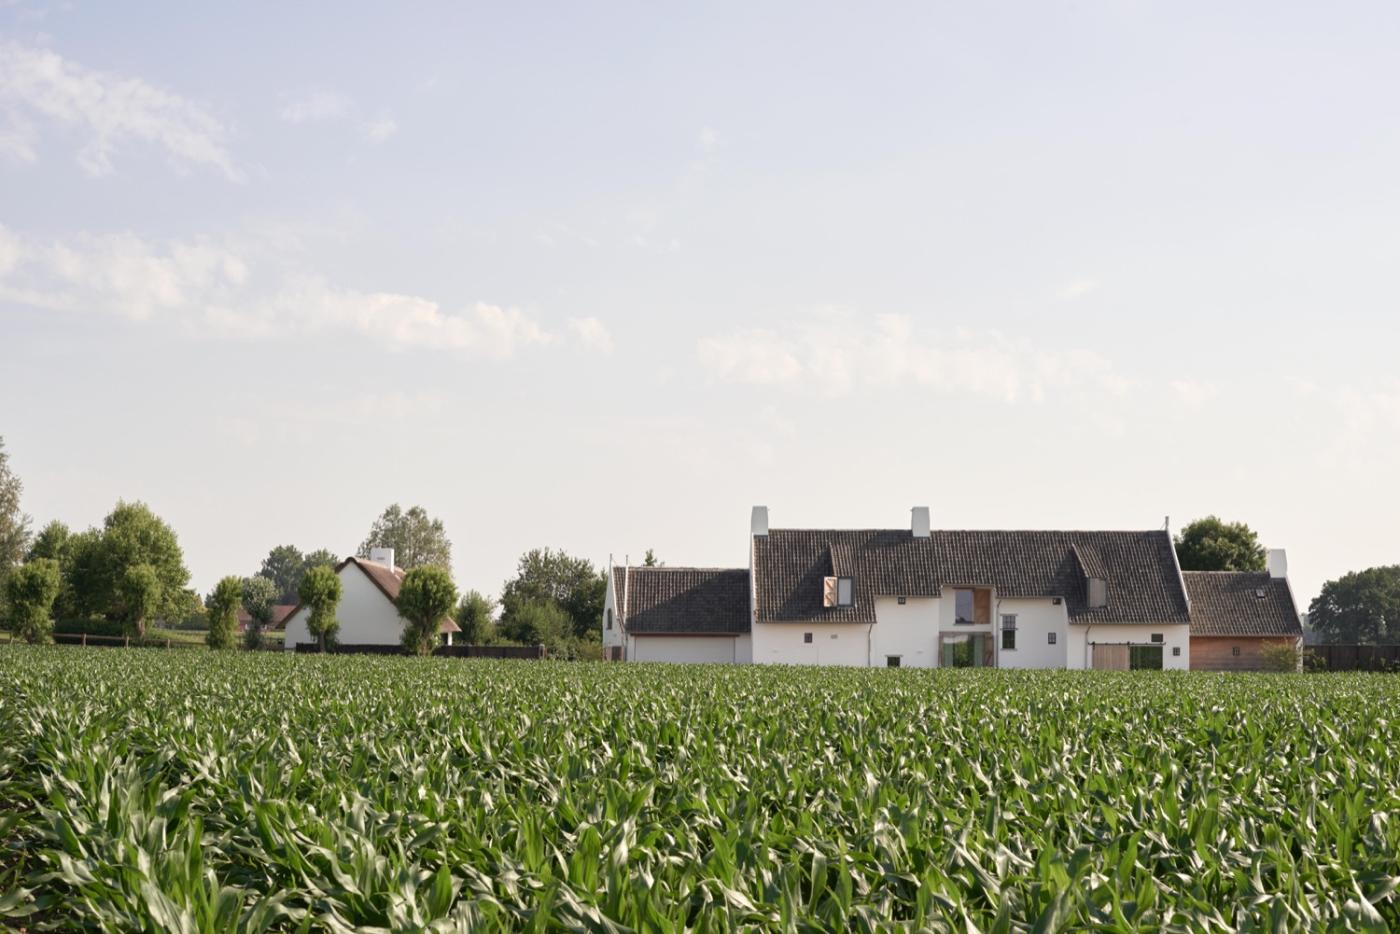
x: 1140, y: 568
x: 789, y: 565
x: 700, y: 601
x: 1229, y: 603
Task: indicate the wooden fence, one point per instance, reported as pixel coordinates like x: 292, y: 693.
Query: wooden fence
x: 1355, y: 657
x: 448, y: 651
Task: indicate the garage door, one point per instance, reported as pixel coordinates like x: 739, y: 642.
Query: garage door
x: 683, y: 649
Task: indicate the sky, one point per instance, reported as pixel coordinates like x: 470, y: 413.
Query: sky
x: 601, y: 277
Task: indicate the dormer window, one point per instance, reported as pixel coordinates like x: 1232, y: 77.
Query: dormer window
x: 1098, y: 593
x: 838, y: 591
x: 845, y: 592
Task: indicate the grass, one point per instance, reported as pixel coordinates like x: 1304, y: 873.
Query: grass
x: 245, y: 791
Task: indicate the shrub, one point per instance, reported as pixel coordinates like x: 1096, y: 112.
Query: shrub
x: 1281, y: 656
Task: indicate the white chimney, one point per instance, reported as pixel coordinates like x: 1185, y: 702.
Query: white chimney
x: 384, y: 556
x: 919, y: 522
x: 1278, y: 563
x: 758, y: 524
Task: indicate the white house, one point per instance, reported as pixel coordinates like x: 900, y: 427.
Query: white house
x: 368, y: 614
x: 915, y: 597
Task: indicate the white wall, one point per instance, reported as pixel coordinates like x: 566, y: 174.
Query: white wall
x: 688, y: 649
x: 366, y: 616
x: 909, y: 631
x: 1036, y: 618
x: 832, y: 644
x: 1177, y: 636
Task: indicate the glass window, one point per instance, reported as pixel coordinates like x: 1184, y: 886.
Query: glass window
x: 609, y: 618
x: 1050, y: 638
x: 1176, y: 650
x: 845, y: 592
x: 891, y: 661
x: 1008, y: 631
x: 1145, y: 657
x: 963, y: 607
x: 1234, y: 650
x: 971, y: 650
x: 1157, y: 637
x: 806, y: 637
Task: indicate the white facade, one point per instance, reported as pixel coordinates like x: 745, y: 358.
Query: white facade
x: 1038, y: 621
x: 1174, y: 638
x: 690, y: 649
x: 366, y: 615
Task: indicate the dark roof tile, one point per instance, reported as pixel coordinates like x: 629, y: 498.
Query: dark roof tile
x: 1228, y: 603
x: 702, y: 601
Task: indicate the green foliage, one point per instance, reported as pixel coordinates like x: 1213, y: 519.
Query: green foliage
x: 475, y: 615
x: 320, y: 595
x: 246, y: 791
x: 222, y: 604
x: 426, y: 597
x: 131, y: 535
x: 539, y: 622
x: 52, y: 542
x: 259, y: 596
x: 1211, y: 544
x: 650, y: 561
x: 1281, y: 656
x: 138, y: 597
x: 285, y: 566
x: 545, y: 576
x: 30, y: 591
x: 1363, y: 606
x: 14, y: 524
x: 417, y: 539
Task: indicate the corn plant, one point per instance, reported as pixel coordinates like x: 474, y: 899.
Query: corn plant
x: 164, y: 791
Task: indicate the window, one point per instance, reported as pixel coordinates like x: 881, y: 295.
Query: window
x: 1157, y: 638
x: 1234, y: 650
x: 965, y: 650
x: 963, y: 604
x: 903, y: 600
x: 1176, y: 650
x: 891, y: 661
x: 1008, y: 631
x: 609, y: 617
x: 845, y: 592
x: 1050, y: 638
x: 807, y: 638
x: 1142, y: 657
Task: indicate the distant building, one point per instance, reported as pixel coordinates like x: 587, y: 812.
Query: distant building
x: 922, y: 597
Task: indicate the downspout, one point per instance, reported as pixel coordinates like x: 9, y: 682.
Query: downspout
x: 869, y: 649
x: 1088, y: 647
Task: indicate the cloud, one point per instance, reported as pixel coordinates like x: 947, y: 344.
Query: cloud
x: 377, y: 131
x: 592, y: 334
x: 223, y: 288
x: 316, y: 107
x: 1194, y: 393
x: 111, y: 110
x: 323, y: 106
x: 1077, y: 288
x: 836, y: 353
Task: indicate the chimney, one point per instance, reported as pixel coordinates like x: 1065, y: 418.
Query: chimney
x: 758, y: 524
x: 1278, y: 563
x: 384, y: 556
x: 919, y: 523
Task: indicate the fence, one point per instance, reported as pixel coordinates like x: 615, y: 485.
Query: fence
x: 448, y: 651
x: 1356, y: 657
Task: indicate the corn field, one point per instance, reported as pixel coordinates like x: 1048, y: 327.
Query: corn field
x: 228, y: 792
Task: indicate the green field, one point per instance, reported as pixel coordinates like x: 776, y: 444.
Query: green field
x: 202, y: 791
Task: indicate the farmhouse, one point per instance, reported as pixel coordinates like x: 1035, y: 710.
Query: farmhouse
x: 1236, y: 615
x: 368, y: 614
x: 920, y: 597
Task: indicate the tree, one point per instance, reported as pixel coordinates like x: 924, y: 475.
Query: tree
x: 417, y: 539
x: 284, y: 566
x: 138, y: 597
x: 222, y: 603
x: 426, y: 596
x: 539, y: 622
x: 259, y: 596
x: 14, y: 524
x: 1363, y: 606
x: 1211, y: 544
x: 650, y: 561
x: 475, y: 616
x: 131, y: 535
x: 321, y: 558
x: 573, y: 584
x: 320, y: 594
x: 53, y: 541
x: 30, y: 591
